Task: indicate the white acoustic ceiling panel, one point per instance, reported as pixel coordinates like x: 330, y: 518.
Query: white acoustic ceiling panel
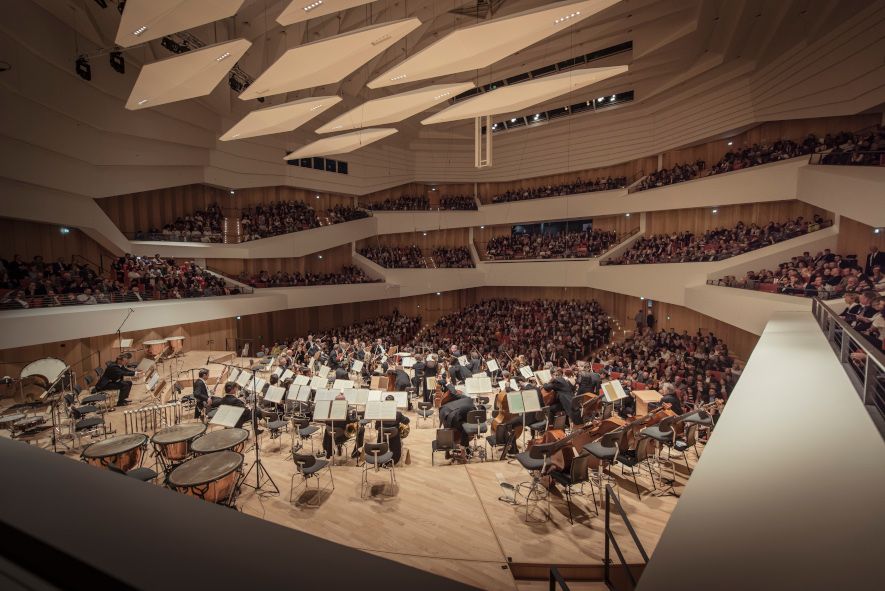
x: 304, y: 10
x: 342, y: 144
x: 184, y: 76
x: 481, y: 45
x: 280, y: 118
x: 328, y: 61
x: 396, y: 107
x: 144, y: 20
x: 508, y: 99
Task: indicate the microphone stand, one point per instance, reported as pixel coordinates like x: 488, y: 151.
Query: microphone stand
x: 260, y: 470
x: 119, y: 334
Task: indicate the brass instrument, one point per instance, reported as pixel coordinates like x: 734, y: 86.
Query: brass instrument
x: 403, y: 430
x: 350, y: 430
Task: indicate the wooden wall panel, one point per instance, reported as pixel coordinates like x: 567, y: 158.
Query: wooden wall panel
x: 701, y: 219
x: 29, y: 239
x: 155, y: 209
x: 331, y: 262
x: 857, y: 238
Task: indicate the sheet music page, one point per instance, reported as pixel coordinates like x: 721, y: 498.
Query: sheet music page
x: 357, y: 366
x: 287, y: 375
x: 531, y: 400
x: 526, y: 371
x: 338, y: 411
x: 274, y: 394
x: 431, y: 383
x: 324, y: 370
x: 342, y: 384
x: 408, y: 361
x: 502, y: 385
x: 245, y: 378
x: 318, y: 383
x: 613, y: 391
x: 492, y: 365
x: 234, y: 375
x: 303, y: 394
x: 321, y: 410
x: 401, y: 399
x: 544, y: 375
x: 481, y: 385
x: 278, y: 371
x: 259, y: 384
x: 481, y: 374
x: 301, y: 380
x: 388, y: 410
x: 513, y: 384
x: 152, y: 382
x: 292, y: 392
x: 362, y: 397
x: 462, y: 359
x: 325, y: 395
x: 375, y: 396
x: 350, y: 395
x: 373, y: 410
x: 515, y: 402
x: 227, y: 415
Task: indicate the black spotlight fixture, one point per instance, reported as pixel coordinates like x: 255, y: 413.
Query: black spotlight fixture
x: 121, y: 4
x: 117, y: 62
x: 102, y: 3
x: 84, y: 70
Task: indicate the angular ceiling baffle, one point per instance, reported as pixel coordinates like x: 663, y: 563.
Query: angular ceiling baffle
x: 508, y: 99
x: 479, y: 46
x: 185, y: 76
x: 328, y: 61
x: 280, y: 118
x: 396, y: 107
x: 303, y: 10
x: 342, y: 144
x: 145, y: 20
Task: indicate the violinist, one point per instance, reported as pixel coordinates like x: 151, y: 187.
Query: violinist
x: 457, y: 372
x: 669, y: 399
x: 588, y: 380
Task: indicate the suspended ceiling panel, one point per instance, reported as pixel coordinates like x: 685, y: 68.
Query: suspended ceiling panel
x: 184, y: 76
x: 280, y: 118
x: 395, y: 107
x: 304, y: 10
x: 144, y: 20
x: 328, y: 61
x: 508, y: 99
x: 342, y: 144
x: 479, y: 46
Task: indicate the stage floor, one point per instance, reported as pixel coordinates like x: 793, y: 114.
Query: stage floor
x: 447, y: 518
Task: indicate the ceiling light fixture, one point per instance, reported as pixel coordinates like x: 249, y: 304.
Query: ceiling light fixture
x: 140, y: 30
x: 600, y: 99
x: 312, y: 5
x: 562, y: 19
x: 439, y: 96
x: 223, y: 56
x: 627, y: 215
x: 400, y: 77
x: 232, y: 191
x: 319, y: 106
x: 381, y: 40
x: 319, y: 256
x: 513, y: 120
x: 730, y: 143
x: 142, y: 101
x: 715, y: 210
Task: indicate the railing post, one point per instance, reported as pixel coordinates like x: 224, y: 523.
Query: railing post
x: 607, y: 531
x: 869, y: 381
x: 843, y: 349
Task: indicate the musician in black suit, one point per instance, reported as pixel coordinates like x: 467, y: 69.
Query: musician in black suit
x: 474, y: 364
x: 201, y: 393
x: 457, y: 372
x: 112, y: 379
x: 402, y: 381
x: 230, y: 398
x: 429, y: 370
x: 453, y: 414
x: 588, y: 381
x: 396, y: 442
x: 874, y: 259
x: 565, y: 395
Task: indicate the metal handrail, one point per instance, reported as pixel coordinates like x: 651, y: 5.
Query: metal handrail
x: 862, y: 361
x: 755, y: 286
x: 611, y: 541
x: 556, y: 579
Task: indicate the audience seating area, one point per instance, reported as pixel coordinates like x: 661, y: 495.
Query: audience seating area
x: 412, y: 257
x: 678, y: 174
x: 865, y: 149
x: 200, y: 226
x: 273, y: 219
x: 132, y: 279
x: 458, y: 257
x: 457, y: 203
x: 579, y: 186
x: 401, y: 203
x: 340, y: 214
x: 347, y: 275
x: 713, y: 245
x: 566, y: 245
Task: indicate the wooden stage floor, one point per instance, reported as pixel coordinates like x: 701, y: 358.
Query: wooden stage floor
x: 446, y: 519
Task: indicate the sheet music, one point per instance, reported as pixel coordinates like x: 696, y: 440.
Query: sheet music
x: 431, y: 383
x: 481, y: 385
x: 613, y: 391
x: 323, y: 371
x: 227, y: 415
x: 342, y: 384
x: 356, y: 396
x: 278, y: 371
x: 152, y: 381
x: 321, y: 410
x: 259, y: 384
x: 408, y: 361
x: 357, y: 366
x: 234, y: 374
x: 544, y: 376
x: 526, y: 371
x: 245, y: 378
x: 513, y: 384
x: 325, y: 395
x: 502, y: 385
x: 388, y: 410
x: 292, y: 392
x: 401, y: 399
x: 531, y: 400
x: 301, y: 380
x: 318, y: 383
x: 462, y: 359
x: 373, y: 410
x: 492, y: 365
x: 481, y: 374
x: 375, y: 396
x: 274, y: 394
x: 303, y: 394
x: 338, y: 412
x: 515, y: 402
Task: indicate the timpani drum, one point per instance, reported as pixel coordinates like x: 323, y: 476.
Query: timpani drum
x: 222, y: 440
x: 211, y: 477
x: 124, y: 451
x: 177, y: 344
x: 155, y: 348
x: 173, y: 444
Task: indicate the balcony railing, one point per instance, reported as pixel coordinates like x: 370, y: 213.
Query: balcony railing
x: 14, y: 302
x: 859, y: 158
x: 766, y: 287
x: 862, y: 359
x: 204, y: 237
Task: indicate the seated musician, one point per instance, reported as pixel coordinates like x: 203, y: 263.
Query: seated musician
x: 396, y: 442
x: 453, y: 414
x: 588, y: 380
x: 201, y: 394
x: 230, y: 398
x: 112, y: 379
x: 341, y: 435
x: 669, y: 399
x: 429, y: 370
x: 402, y: 381
x: 564, y: 397
x: 457, y: 372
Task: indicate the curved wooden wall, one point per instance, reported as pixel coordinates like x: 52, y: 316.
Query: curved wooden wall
x: 30, y: 239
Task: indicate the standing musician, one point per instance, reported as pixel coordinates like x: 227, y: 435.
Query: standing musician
x: 400, y: 379
x: 112, y: 379
x: 428, y: 369
x: 201, y: 393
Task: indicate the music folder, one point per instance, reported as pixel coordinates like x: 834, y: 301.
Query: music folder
x: 227, y: 415
x: 330, y: 410
x: 481, y: 385
x: 301, y: 380
x: 323, y: 371
x: 523, y: 402
x: 377, y: 410
x: 492, y: 365
x: 526, y: 371
x: 357, y: 366
x: 274, y: 394
x: 613, y: 391
x: 544, y: 376
x: 342, y: 384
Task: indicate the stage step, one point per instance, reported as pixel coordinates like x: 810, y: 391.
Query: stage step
x: 573, y: 574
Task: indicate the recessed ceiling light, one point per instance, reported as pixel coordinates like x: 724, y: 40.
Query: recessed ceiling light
x: 223, y: 56
x: 236, y: 135
x: 320, y: 256
x: 439, y: 96
x: 613, y: 97
x: 232, y: 191
x: 314, y: 108
x: 730, y: 143
x: 482, y: 227
x: 600, y: 99
x: 140, y: 30
x: 566, y: 17
x: 715, y: 210
x: 425, y: 233
x: 438, y: 293
x: 312, y: 5
x: 400, y: 77
x: 513, y: 120
x: 627, y: 214
x: 381, y: 40
x: 143, y: 101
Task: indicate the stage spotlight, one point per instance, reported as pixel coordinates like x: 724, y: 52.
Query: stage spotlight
x: 84, y: 70
x: 102, y: 3
x: 117, y: 62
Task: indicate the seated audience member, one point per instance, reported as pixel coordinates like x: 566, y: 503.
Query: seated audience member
x: 565, y: 245
x: 395, y: 257
x: 402, y: 203
x: 579, y: 186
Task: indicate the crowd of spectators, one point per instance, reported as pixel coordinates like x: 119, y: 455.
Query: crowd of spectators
x: 273, y: 219
x: 713, y: 245
x: 758, y: 154
x: 457, y: 203
x: 401, y: 203
x: 541, y: 330
x: 678, y: 174
x: 341, y: 213
x: 200, y: 226
x: 579, y: 186
x: 825, y: 275
x: 457, y: 257
x: 348, y: 274
x: 565, y: 245
x: 395, y: 257
x: 132, y: 279
x: 858, y: 150
x: 697, y: 368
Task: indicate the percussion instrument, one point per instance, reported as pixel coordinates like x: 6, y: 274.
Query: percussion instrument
x: 7, y: 421
x: 211, y: 477
x: 155, y: 348
x: 28, y: 423
x: 173, y: 444
x: 124, y: 451
x: 233, y: 439
x: 177, y: 344
x: 48, y: 368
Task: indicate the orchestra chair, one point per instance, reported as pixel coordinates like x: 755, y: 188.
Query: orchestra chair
x: 81, y: 422
x: 643, y: 456
x: 500, y: 439
x: 445, y: 442
x: 606, y: 450
x: 425, y: 411
x: 95, y: 398
x: 703, y: 420
x: 541, y: 426
x: 475, y: 426
x: 689, y: 441
x: 305, y: 431
x: 275, y: 425
x: 341, y: 433
x: 577, y: 475
x: 140, y: 473
x: 310, y: 468
x: 536, y: 460
x: 664, y: 433
x: 377, y: 456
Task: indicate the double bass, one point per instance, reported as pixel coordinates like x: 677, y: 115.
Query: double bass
x: 504, y: 415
